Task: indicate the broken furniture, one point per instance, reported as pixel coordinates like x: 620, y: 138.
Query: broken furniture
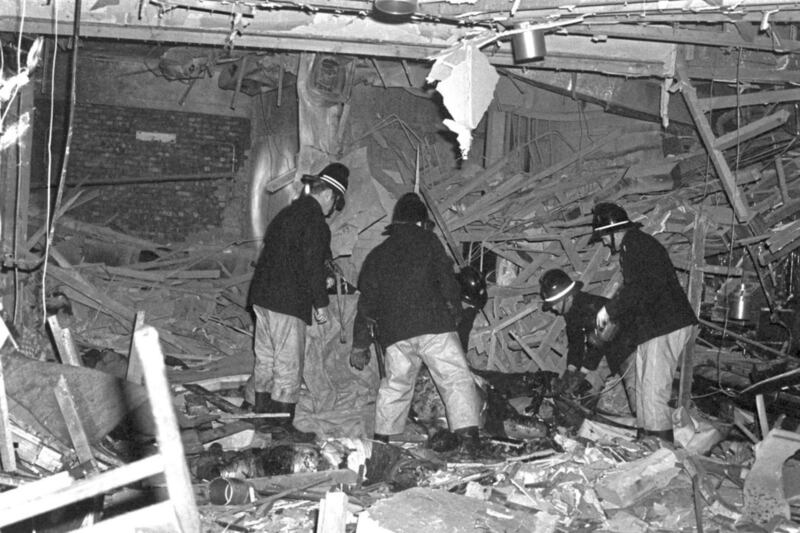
x: 179, y: 511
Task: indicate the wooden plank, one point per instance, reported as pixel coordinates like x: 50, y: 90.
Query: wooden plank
x: 748, y: 99
x: 572, y: 253
x: 7, y: 455
x: 65, y: 345
x: 332, y: 513
x: 157, y: 517
x: 134, y: 372
x: 494, y: 149
x: 753, y: 129
x: 733, y: 193
x: 541, y: 363
x: 61, y: 489
x: 160, y: 277
x: 74, y: 425
x: 492, y: 201
x: 179, y: 483
x: 782, y: 178
x: 695, y: 295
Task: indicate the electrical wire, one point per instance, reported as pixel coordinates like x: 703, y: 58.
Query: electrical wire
x: 18, y: 195
x: 48, y: 206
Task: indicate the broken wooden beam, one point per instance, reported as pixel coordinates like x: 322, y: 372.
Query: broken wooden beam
x: 735, y: 196
x: 7, y: 454
x: 753, y: 129
x: 65, y: 345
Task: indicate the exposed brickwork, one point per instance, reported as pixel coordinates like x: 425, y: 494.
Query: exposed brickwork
x: 104, y: 147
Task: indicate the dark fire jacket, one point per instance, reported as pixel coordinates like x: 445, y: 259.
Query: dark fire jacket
x: 651, y: 295
x: 408, y: 287
x: 290, y: 273
x: 581, y: 319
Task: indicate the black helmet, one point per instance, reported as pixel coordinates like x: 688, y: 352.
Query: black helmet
x: 409, y: 209
x: 473, y: 286
x: 335, y: 176
x: 608, y: 218
x: 554, y: 285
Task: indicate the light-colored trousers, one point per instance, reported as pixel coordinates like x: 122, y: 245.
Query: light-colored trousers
x: 279, y: 345
x: 444, y: 356
x: 656, y: 362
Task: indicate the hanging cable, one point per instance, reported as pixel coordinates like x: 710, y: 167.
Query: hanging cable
x: 68, y: 141
x: 17, y: 198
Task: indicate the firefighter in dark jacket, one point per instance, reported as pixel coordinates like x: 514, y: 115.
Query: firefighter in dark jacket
x: 409, y: 289
x: 288, y: 286
x: 661, y: 317
x: 586, y: 347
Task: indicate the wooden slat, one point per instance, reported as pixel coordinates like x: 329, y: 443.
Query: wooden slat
x: 64, y: 342
x: 134, y: 372
x: 176, y: 473
x: 695, y: 294
x: 733, y: 193
x: 748, y: 99
x: 74, y: 425
x: 60, y: 489
x: 748, y: 131
x: 7, y: 455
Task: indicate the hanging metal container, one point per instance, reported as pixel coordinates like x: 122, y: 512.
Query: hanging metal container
x: 739, y: 303
x: 527, y: 45
x: 396, y: 9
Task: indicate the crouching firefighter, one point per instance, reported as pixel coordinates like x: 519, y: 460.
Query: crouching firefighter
x: 408, y: 288
x: 586, y: 347
x: 288, y: 287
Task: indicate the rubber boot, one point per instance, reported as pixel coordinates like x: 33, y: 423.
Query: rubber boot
x: 380, y: 437
x: 667, y: 435
x: 287, y: 424
x: 470, y: 441
x: 263, y: 402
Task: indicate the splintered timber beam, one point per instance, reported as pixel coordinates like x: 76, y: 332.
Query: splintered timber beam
x: 7, y: 455
x: 707, y: 135
x: 695, y: 294
x: 741, y: 100
x: 754, y: 129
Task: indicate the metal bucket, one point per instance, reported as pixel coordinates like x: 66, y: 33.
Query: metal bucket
x: 527, y: 45
x: 739, y: 303
x: 229, y: 491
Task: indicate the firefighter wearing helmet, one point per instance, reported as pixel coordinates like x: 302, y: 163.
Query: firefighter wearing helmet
x: 660, y: 315
x: 288, y: 290
x: 563, y: 296
x: 408, y: 288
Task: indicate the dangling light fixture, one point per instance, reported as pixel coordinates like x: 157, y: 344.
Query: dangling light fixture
x: 527, y: 45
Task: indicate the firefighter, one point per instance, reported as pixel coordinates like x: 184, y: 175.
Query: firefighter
x: 288, y: 287
x: 586, y: 347
x: 409, y: 289
x: 660, y: 316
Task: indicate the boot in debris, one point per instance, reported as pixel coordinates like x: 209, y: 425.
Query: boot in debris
x: 263, y: 402
x: 380, y: 437
x: 666, y: 435
x: 470, y: 441
x: 291, y: 433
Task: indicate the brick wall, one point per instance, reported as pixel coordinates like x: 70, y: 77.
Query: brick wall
x: 105, y: 148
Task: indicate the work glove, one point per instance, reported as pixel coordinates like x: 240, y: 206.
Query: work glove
x: 602, y: 319
x: 321, y: 315
x: 359, y: 357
